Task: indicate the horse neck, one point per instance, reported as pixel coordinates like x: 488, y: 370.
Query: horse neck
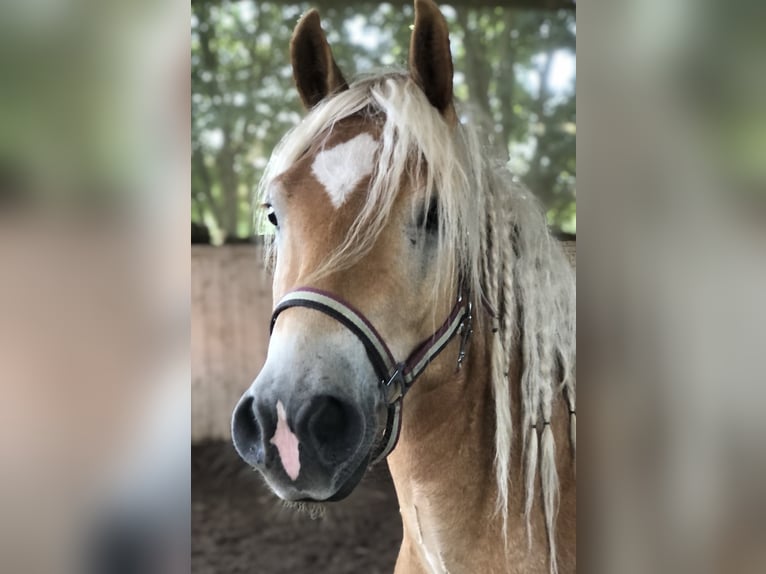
x: 444, y: 474
x: 446, y: 450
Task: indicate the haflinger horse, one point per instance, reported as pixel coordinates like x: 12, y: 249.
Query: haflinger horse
x: 410, y: 270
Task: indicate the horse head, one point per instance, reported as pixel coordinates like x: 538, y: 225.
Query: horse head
x: 359, y: 223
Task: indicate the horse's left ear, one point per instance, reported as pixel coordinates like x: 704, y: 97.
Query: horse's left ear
x: 430, y: 57
x: 314, y: 69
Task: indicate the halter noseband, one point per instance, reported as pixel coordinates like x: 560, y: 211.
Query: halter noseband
x: 395, y: 379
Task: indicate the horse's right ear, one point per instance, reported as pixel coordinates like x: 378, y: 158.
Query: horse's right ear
x: 314, y: 69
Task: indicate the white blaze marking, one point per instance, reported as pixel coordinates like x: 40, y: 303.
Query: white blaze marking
x: 340, y: 169
x: 286, y: 443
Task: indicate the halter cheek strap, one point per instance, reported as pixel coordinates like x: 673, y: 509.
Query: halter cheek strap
x: 394, y: 378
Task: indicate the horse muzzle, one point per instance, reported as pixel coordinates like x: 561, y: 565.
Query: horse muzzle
x: 320, y: 444
x: 316, y: 448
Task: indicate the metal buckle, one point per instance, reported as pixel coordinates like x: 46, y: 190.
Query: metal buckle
x: 394, y: 387
x: 465, y: 330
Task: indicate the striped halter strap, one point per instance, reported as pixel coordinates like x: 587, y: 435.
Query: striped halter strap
x: 394, y: 378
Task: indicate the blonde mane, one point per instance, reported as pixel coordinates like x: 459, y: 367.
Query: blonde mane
x: 492, y: 234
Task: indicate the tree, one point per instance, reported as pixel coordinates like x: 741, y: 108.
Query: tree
x: 243, y: 99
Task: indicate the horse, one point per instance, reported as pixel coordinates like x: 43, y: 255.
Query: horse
x: 410, y: 269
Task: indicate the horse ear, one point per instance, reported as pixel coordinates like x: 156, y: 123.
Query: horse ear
x: 314, y: 69
x: 430, y: 57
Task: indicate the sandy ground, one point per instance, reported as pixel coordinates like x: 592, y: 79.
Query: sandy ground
x: 238, y: 526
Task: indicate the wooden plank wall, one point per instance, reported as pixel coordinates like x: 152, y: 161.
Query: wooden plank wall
x: 231, y: 308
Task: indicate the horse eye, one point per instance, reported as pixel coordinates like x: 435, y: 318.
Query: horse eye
x: 429, y: 218
x: 272, y: 217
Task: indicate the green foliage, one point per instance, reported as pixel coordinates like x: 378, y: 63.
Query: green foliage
x: 509, y: 64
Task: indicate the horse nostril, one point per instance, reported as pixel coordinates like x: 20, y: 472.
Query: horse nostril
x: 332, y: 427
x: 328, y: 422
x: 246, y: 433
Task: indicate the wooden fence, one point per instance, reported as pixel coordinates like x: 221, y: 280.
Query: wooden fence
x: 231, y: 307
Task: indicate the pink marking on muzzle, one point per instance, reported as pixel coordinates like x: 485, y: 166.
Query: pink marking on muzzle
x: 287, y: 444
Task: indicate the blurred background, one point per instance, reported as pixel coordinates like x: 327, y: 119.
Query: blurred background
x: 671, y: 283
x: 94, y: 287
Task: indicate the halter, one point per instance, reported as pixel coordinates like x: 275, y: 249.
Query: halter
x: 395, y: 378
